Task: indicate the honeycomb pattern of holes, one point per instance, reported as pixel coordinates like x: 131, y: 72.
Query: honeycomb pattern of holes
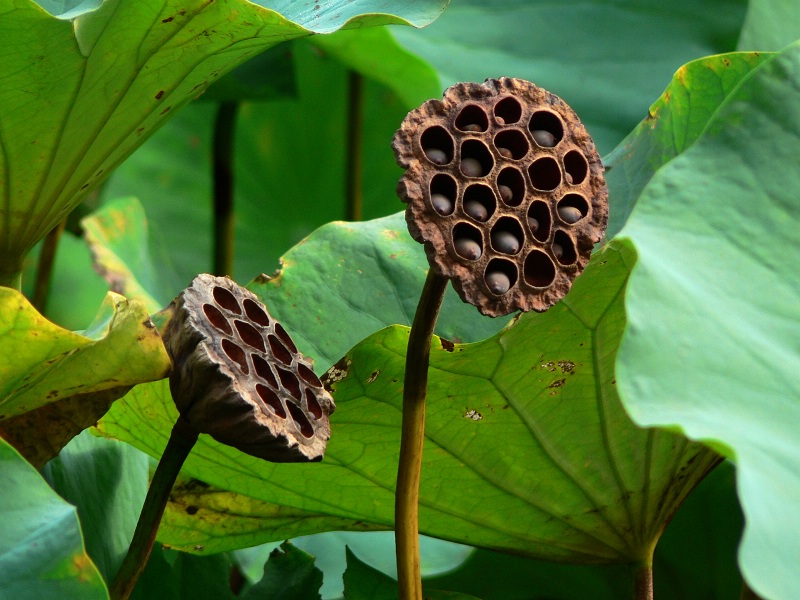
x: 217, y: 319
x: 290, y: 382
x: 271, y: 399
x: 264, y: 370
x: 308, y: 375
x: 472, y: 114
x: 513, y: 179
x: 507, y: 236
x: 236, y: 354
x: 568, y: 253
x: 514, y: 140
x: 463, y: 233
x: 544, y: 120
x: 437, y: 138
x: 539, y: 270
x: 575, y: 164
x: 509, y: 110
x: 479, y: 202
x: 255, y: 312
x: 575, y: 201
x: 279, y: 351
x: 545, y: 174
x: 313, y: 404
x: 474, y: 150
x: 303, y: 424
x: 250, y: 335
x: 284, y: 337
x: 500, y: 272
x: 226, y: 300
x: 541, y: 213
x: 445, y: 186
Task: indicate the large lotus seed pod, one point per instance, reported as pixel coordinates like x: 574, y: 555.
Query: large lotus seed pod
x: 514, y: 198
x: 238, y: 376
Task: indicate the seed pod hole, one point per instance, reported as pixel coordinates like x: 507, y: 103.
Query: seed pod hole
x: 217, y: 319
x: 271, y: 399
x: 443, y: 188
x: 287, y: 341
x: 236, y: 354
x: 567, y: 255
x: 472, y: 118
x: 467, y: 241
x: 250, y: 335
x: 539, y: 220
x: 512, y: 179
x: 303, y: 424
x: 539, y: 270
x: 514, y: 141
x: 479, y: 202
x: 255, y: 312
x: 476, y: 160
x: 509, y: 110
x: 576, y: 166
x: 226, y: 300
x: 545, y: 174
x: 437, y: 145
x: 572, y: 208
x: 442, y: 204
x: 313, y: 404
x: 279, y: 351
x: 308, y: 375
x: 263, y: 370
x: 507, y: 236
x: 544, y: 120
x: 289, y: 382
x: 500, y: 276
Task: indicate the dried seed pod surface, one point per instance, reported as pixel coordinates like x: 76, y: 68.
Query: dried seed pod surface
x: 238, y: 376
x: 524, y: 188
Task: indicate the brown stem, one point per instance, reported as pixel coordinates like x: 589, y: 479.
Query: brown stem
x: 643, y: 581
x: 44, y: 271
x: 412, y: 437
x: 355, y: 149
x: 222, y: 149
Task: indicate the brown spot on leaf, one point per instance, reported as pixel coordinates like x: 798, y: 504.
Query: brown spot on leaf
x: 557, y: 383
x: 168, y: 20
x: 159, y: 94
x: 191, y: 510
x: 447, y: 344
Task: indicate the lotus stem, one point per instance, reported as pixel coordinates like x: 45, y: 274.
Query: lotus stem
x: 643, y: 581
x: 44, y: 271
x: 355, y: 147
x: 222, y: 149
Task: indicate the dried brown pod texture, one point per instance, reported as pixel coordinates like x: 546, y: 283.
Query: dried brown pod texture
x: 238, y: 376
x: 523, y: 185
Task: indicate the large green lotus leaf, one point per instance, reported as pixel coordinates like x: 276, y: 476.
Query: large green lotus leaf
x: 77, y: 97
x: 712, y: 342
x: 173, y: 575
x: 528, y: 448
x: 54, y: 383
x: 289, y: 574
x: 608, y: 60
x: 41, y: 550
x: 770, y: 25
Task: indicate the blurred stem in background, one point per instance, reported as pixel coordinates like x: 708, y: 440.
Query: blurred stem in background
x: 222, y: 158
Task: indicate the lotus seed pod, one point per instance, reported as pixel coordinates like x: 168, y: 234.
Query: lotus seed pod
x: 238, y: 376
x: 469, y: 249
x: 529, y: 163
x: 436, y: 156
x: 569, y: 214
x: 442, y: 204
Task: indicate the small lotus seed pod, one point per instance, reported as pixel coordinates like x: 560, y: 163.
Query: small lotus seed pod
x: 505, y: 153
x: 471, y: 167
x: 505, y: 241
x: 472, y: 128
x: 569, y: 214
x: 498, y: 282
x: 476, y: 210
x: 442, y: 204
x: 436, y: 156
x: 467, y: 248
x: 238, y: 376
x: 505, y: 193
x: 544, y: 138
x: 558, y: 251
x: 533, y: 224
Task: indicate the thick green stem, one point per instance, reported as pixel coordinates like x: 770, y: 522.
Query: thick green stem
x: 406, y: 513
x: 180, y: 443
x: 222, y: 150
x: 355, y: 147
x: 643, y: 582
x: 44, y: 270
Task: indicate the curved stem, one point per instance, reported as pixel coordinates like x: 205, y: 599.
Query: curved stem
x: 180, y: 443
x: 406, y: 513
x: 355, y: 146
x: 643, y: 581
x: 222, y: 150
x: 44, y: 271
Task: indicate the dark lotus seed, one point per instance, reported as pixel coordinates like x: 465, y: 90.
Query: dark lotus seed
x: 505, y: 241
x: 442, y: 204
x: 467, y: 248
x: 533, y: 224
x: 505, y: 153
x: 436, y: 156
x: 498, y: 282
x: 471, y: 167
x: 476, y: 210
x: 473, y: 127
x: 558, y: 251
x: 544, y: 138
x: 569, y: 214
x: 505, y: 193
